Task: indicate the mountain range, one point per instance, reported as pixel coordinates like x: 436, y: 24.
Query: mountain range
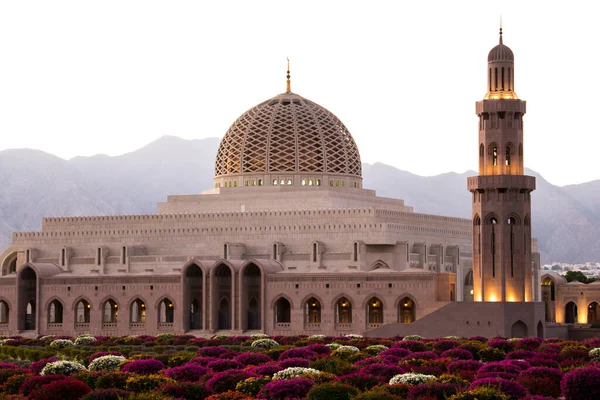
x: 34, y: 184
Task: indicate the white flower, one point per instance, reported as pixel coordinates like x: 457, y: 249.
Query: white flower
x: 293, y: 372
x: 333, y: 346
x: 316, y: 336
x: 452, y: 337
x: 62, y: 368
x: 411, y: 379
x: 354, y: 336
x: 265, y: 343
x: 259, y: 335
x: 348, y: 349
x: 61, y: 343
x: 6, y: 342
x: 84, y: 340
x: 595, y: 354
x: 376, y: 348
x: 413, y: 337
x: 106, y: 363
x: 221, y: 336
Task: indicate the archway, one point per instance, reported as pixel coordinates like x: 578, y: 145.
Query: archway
x: 193, y: 296
x: 468, y: 287
x: 27, y: 299
x: 540, y: 329
x: 406, y: 311
x: 55, y: 312
x: 548, y: 297
x: 518, y: 330
x: 224, y: 316
x: 343, y: 311
x: 570, y: 313
x: 110, y: 312
x: 283, y: 313
x: 374, y: 312
x: 82, y: 312
x: 593, y: 313
x: 312, y: 312
x: 251, y: 297
x: 166, y: 312
x: 4, y: 312
x: 222, y: 290
x: 137, y: 312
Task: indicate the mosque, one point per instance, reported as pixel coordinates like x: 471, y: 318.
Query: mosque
x: 289, y: 242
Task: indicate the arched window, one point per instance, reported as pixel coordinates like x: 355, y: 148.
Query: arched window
x: 593, y: 313
x: 375, y: 311
x: 110, y: 311
x: 138, y: 312
x: 495, y: 156
x: 343, y: 311
x: 166, y: 311
x: 496, y: 79
x: 12, y: 267
x: 570, y: 313
x: 82, y: 312
x: 283, y: 311
x: 481, y: 150
x: 312, y: 311
x: 3, y: 312
x: 507, y: 155
x: 502, y: 79
x: 55, y: 312
x: 490, y: 79
x: 406, y: 311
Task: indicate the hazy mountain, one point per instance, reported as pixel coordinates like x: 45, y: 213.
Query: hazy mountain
x: 35, y: 184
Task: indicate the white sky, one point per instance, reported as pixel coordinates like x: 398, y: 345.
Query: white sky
x: 83, y: 78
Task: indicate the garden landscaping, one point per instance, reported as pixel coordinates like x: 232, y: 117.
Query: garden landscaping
x: 300, y: 367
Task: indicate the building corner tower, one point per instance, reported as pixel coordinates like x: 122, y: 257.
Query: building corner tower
x: 501, y: 193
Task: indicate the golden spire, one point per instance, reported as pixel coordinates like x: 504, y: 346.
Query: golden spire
x: 289, y: 85
x: 501, y: 29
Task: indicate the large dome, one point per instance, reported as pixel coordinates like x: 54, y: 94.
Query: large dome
x: 501, y: 53
x: 284, y: 136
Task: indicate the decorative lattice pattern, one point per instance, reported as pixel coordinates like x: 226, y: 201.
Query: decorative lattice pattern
x: 288, y: 134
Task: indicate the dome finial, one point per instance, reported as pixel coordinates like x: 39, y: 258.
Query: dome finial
x: 289, y: 85
x: 501, y: 29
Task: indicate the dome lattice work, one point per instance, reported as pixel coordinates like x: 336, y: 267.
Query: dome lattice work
x: 288, y: 134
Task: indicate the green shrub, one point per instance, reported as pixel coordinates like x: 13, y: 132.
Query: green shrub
x: 333, y: 365
x: 481, y: 393
x: 251, y: 386
x: 108, y: 380
x: 489, y: 354
x: 332, y: 391
x: 146, y: 383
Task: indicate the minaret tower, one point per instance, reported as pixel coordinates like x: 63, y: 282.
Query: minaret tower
x: 502, y: 268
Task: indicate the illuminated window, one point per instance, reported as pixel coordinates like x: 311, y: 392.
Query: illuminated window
x: 274, y: 182
x: 303, y: 182
x: 289, y: 181
x: 311, y: 182
x: 318, y: 182
x: 495, y: 156
x: 282, y: 182
x: 260, y: 182
x: 507, y: 155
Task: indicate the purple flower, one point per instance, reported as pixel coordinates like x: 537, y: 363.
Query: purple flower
x: 298, y: 352
x: 445, y: 344
x: 286, y: 389
x: 501, y: 344
x: 511, y: 388
x: 224, y: 365
x: 581, y: 384
x: 412, y: 345
x: 189, y: 372
x: 294, y: 362
x: 204, y: 361
x: 521, y: 355
x: 422, y: 355
x: 253, y: 358
x: 214, y: 351
x: 143, y: 367
x: 501, y: 366
x: 224, y: 381
x: 459, y: 354
x: 529, y: 343
x: 540, y: 361
x: 319, y: 348
x: 37, y: 366
x: 399, y: 352
x: 386, y: 370
x: 267, y: 369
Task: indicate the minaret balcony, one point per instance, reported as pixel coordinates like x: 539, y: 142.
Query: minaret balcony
x: 522, y: 182
x: 492, y: 106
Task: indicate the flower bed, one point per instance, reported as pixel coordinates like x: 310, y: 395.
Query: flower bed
x: 173, y: 366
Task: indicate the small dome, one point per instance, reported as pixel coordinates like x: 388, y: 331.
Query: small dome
x: 501, y: 53
x: 288, y: 134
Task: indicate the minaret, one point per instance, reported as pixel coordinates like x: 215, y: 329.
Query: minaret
x: 502, y: 269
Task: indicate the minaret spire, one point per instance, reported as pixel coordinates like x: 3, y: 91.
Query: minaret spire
x: 288, y: 88
x: 500, y: 30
